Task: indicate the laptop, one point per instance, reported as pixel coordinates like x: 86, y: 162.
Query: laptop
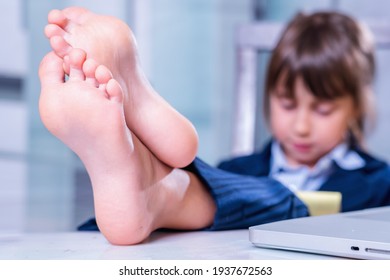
x: 363, y: 234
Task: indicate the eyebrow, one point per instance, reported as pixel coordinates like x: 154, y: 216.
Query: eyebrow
x: 283, y: 93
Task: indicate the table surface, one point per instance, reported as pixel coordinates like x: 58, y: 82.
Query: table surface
x: 198, y: 245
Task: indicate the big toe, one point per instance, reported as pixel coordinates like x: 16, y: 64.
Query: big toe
x: 51, y: 70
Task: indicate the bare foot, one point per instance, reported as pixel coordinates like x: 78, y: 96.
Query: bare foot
x: 110, y: 42
x: 134, y: 193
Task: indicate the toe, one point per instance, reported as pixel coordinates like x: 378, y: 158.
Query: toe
x: 103, y: 74
x: 89, y: 68
x: 107, y: 84
x: 57, y: 17
x: 60, y: 46
x: 51, y: 70
x: 54, y: 30
x: 114, y: 91
x: 76, y: 60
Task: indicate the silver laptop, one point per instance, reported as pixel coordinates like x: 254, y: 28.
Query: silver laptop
x: 361, y: 234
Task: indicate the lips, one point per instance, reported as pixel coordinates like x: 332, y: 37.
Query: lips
x: 300, y: 147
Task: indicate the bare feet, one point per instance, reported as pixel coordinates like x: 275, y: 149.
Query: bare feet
x: 134, y: 192
x: 110, y: 42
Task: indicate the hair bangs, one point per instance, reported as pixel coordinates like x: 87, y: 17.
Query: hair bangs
x: 323, y: 73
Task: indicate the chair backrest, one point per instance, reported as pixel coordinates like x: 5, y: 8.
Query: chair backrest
x: 251, y: 40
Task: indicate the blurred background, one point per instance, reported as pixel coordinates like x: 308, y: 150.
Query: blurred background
x: 187, y: 48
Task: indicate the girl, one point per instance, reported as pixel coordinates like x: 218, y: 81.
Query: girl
x: 318, y: 100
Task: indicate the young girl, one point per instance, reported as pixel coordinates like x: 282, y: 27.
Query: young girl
x: 318, y: 100
x: 318, y: 88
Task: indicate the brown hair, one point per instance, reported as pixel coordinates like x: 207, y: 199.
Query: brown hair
x: 334, y: 56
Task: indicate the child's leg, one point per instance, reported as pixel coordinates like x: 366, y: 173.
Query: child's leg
x: 109, y: 41
x: 134, y: 192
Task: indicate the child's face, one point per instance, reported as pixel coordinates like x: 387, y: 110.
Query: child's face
x: 306, y: 127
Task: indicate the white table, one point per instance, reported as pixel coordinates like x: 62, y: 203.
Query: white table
x: 199, y: 245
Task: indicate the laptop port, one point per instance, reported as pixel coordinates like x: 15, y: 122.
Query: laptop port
x: 354, y: 248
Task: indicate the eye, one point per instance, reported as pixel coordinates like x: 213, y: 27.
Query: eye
x: 287, y: 103
x: 324, y: 108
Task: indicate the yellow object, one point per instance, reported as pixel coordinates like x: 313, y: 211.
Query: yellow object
x: 321, y: 202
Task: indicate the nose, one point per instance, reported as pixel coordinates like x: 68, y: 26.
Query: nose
x: 302, y: 122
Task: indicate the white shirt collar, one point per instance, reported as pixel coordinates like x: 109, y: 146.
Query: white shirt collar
x: 345, y: 158
x: 305, y: 178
